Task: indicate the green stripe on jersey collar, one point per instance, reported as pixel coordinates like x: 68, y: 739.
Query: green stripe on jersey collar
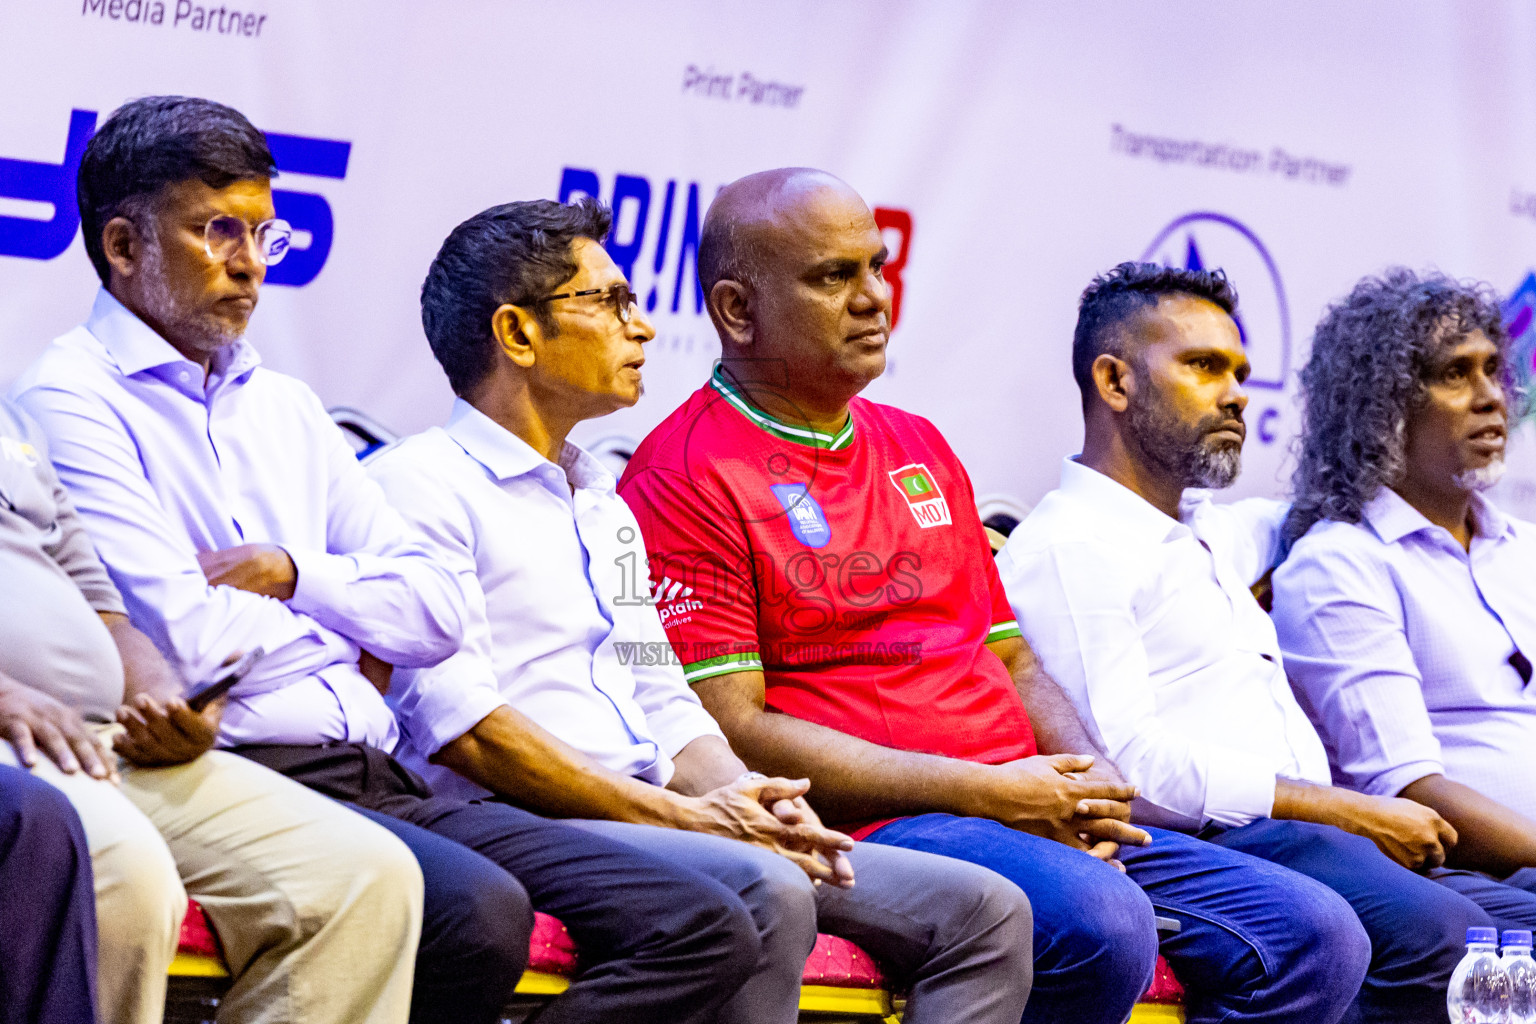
x: 799, y: 435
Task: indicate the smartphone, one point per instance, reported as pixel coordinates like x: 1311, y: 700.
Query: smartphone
x: 232, y: 674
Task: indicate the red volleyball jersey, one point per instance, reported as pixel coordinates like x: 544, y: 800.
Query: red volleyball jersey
x: 852, y: 569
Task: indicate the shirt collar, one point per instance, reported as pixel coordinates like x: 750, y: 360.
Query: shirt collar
x: 1393, y: 518
x: 784, y: 431
x: 1112, y: 500
x: 135, y: 346
x: 1487, y: 521
x: 507, y: 456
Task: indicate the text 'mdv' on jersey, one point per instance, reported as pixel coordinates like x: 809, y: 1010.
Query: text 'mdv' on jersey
x: 851, y: 568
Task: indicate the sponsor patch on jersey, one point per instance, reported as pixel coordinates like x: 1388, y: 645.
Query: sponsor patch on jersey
x: 674, y: 602
x: 806, y: 520
x: 921, y: 491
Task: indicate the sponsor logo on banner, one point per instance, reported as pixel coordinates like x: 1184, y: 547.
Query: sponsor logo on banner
x: 1206, y: 241
x: 671, y: 236
x: 921, y: 490
x: 53, y: 185
x: 1519, y: 312
x: 806, y: 519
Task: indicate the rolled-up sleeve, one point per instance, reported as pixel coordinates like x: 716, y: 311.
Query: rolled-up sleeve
x: 1339, y: 620
x: 437, y: 705
x: 1076, y: 606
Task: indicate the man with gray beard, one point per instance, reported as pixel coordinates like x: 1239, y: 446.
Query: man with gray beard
x: 1405, y: 608
x: 1132, y: 587
x: 232, y: 515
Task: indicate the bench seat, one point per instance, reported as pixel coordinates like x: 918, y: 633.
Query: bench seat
x: 840, y: 980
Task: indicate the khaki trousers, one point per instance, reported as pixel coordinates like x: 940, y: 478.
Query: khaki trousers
x: 318, y: 909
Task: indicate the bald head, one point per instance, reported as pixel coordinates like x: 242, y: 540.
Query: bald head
x: 740, y: 229
x: 791, y: 264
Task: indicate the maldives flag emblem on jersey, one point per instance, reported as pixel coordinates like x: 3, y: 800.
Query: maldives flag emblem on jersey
x: 924, y: 498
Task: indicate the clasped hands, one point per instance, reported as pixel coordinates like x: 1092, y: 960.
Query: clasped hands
x: 1066, y: 798
x: 773, y: 814
x: 770, y: 813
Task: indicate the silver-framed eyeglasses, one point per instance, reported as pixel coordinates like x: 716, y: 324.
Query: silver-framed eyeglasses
x: 225, y: 235
x: 620, y: 297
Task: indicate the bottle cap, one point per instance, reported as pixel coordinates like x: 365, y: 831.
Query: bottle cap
x: 1482, y: 935
x: 1517, y: 938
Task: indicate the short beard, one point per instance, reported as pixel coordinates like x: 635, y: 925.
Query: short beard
x: 1481, y: 478
x: 204, y: 332
x: 1186, y: 453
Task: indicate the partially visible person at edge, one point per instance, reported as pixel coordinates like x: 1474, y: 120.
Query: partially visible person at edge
x: 1405, y: 607
x: 48, y: 916
x: 1134, y: 588
x: 163, y: 814
x: 556, y: 703
x: 232, y: 514
x: 846, y: 623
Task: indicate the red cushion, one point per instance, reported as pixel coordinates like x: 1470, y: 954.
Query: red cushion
x: 551, y: 949
x: 838, y: 962
x: 196, y: 937
x: 1165, y: 987
x: 835, y: 962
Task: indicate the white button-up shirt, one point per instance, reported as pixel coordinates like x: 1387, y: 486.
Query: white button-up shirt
x: 163, y: 465
x: 561, y: 625
x: 1399, y: 645
x: 1149, y: 626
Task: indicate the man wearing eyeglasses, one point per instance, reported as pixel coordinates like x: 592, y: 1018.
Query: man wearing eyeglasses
x: 232, y: 515
x: 293, y: 883
x: 564, y: 697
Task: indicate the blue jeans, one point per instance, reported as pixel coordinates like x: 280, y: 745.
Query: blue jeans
x: 1258, y: 942
x: 1417, y: 928
x: 48, y: 910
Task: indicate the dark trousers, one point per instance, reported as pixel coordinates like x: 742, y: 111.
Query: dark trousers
x: 47, y: 907
x: 1509, y: 902
x: 660, y: 943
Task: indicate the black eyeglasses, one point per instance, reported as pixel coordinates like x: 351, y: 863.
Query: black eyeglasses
x: 620, y: 297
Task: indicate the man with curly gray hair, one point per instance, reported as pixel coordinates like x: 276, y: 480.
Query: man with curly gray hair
x: 1132, y: 586
x: 1405, y: 610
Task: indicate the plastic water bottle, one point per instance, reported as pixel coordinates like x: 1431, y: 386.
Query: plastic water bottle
x: 1479, y: 992
x: 1520, y: 969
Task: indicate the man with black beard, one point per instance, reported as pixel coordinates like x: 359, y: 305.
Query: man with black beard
x: 1135, y: 596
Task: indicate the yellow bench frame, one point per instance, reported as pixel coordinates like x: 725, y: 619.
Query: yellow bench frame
x: 848, y: 1002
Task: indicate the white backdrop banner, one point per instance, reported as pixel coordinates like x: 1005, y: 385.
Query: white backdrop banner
x: 1012, y: 150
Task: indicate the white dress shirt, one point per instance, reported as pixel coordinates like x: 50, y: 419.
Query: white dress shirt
x: 1399, y: 644
x: 162, y: 465
x: 560, y: 623
x: 1149, y: 626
